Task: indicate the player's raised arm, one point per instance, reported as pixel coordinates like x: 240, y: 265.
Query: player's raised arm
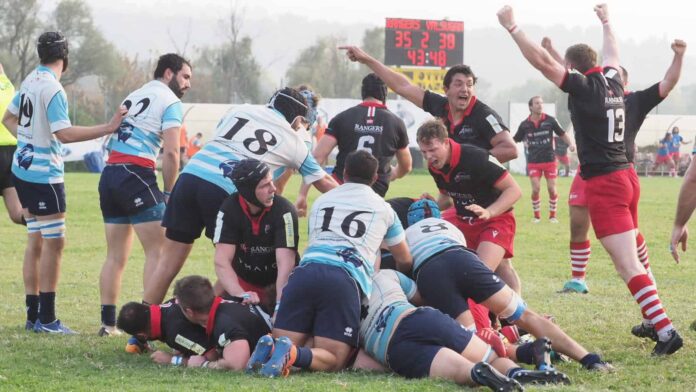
x: 610, y: 49
x: 537, y: 56
x: 674, y: 71
x: 394, y: 80
x: 548, y: 45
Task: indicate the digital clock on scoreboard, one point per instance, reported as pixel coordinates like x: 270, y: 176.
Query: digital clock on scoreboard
x: 423, y: 43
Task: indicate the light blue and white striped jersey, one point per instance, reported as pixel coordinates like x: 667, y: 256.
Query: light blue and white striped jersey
x: 430, y: 236
x: 42, y: 108
x: 391, y: 291
x: 346, y: 227
x: 255, y: 132
x: 151, y: 109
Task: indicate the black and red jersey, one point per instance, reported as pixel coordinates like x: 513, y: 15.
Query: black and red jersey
x: 169, y: 325
x: 229, y: 321
x: 368, y: 126
x: 539, y: 137
x: 257, y: 237
x: 638, y: 105
x: 597, y: 110
x: 479, y: 125
x: 469, y: 177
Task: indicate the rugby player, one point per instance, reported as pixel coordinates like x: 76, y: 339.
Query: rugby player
x: 8, y: 145
x: 677, y: 141
x: 448, y: 275
x: 368, y: 126
x: 129, y: 196
x: 38, y: 116
x: 256, y: 237
x: 537, y: 131
x: 323, y: 296
x: 561, y: 152
x: 264, y: 133
x: 597, y: 110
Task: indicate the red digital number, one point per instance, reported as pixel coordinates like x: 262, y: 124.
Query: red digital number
x: 416, y: 56
x: 447, y: 41
x: 411, y: 54
x: 425, y: 40
x: 403, y: 39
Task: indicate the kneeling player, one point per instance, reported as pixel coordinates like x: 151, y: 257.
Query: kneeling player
x: 448, y: 274
x: 418, y: 342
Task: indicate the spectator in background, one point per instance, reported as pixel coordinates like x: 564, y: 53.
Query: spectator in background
x: 194, y: 144
x: 183, y: 147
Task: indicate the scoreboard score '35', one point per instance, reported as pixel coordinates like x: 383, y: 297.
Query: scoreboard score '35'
x: 423, y: 43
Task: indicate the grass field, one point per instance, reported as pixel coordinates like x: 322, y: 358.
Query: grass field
x: 600, y: 320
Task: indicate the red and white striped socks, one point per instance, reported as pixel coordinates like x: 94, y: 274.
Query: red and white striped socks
x: 579, y: 257
x: 642, y: 249
x: 536, y: 206
x: 645, y: 293
x: 553, y: 201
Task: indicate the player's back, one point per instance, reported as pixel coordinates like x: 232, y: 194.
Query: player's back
x: 347, y: 226
x: 248, y: 131
x: 431, y: 236
x: 234, y: 321
x: 177, y: 331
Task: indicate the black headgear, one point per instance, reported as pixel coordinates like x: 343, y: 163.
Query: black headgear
x: 373, y: 86
x: 52, y: 46
x: 246, y: 175
x: 290, y: 103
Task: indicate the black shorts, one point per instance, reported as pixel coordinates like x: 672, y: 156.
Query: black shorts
x: 321, y: 300
x: 6, y: 156
x: 418, y: 338
x: 192, y: 206
x: 126, y: 192
x: 40, y: 199
x: 447, y: 280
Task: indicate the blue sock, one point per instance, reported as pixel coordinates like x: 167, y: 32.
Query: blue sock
x: 525, y: 353
x: 304, y: 357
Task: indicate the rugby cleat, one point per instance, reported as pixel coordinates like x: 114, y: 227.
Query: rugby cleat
x: 540, y: 377
x: 262, y: 353
x: 601, y: 366
x: 106, y: 330
x: 55, y: 327
x: 29, y: 326
x: 575, y: 286
x: 284, y: 355
x: 137, y: 346
x: 644, y: 331
x: 536, y: 220
x: 670, y: 346
x: 553, y: 220
x: 541, y: 351
x: 483, y: 374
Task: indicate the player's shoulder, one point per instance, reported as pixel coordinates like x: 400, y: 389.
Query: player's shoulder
x: 231, y: 203
x: 480, y: 108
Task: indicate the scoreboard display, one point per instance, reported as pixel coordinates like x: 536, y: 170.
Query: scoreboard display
x: 423, y: 43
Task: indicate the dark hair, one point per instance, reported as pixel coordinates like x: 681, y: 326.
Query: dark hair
x: 624, y: 73
x: 361, y: 167
x: 531, y: 100
x: 581, y: 57
x: 374, y: 87
x: 134, y: 318
x: 51, y: 47
x: 675, y: 129
x: 462, y: 69
x: 290, y: 103
x: 171, y: 61
x: 194, y: 292
x: 431, y: 129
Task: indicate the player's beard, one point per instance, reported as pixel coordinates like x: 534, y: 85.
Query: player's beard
x: 175, y: 87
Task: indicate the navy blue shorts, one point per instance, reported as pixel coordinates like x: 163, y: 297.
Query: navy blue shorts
x: 129, y: 194
x: 40, y: 199
x: 193, y: 205
x: 418, y: 338
x: 321, y: 300
x: 447, y: 280
x: 6, y: 156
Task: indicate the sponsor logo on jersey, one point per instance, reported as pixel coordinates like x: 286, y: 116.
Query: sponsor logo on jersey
x: 125, y: 131
x: 289, y: 230
x: 495, y: 233
x: 227, y: 167
x: 494, y: 123
x: 368, y: 128
x: 461, y: 177
x: 25, y: 156
x: 466, y: 132
x: 350, y: 255
x: 613, y: 100
x: 189, y: 344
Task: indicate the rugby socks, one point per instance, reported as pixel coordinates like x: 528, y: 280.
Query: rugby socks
x: 32, y: 302
x: 589, y: 360
x: 579, y: 257
x: 47, y: 307
x: 645, y: 293
x: 642, y: 248
x: 553, y: 201
x: 303, y: 357
x: 525, y: 354
x: 108, y: 315
x: 536, y: 206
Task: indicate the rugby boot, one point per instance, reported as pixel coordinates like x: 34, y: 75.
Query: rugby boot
x: 483, y: 374
x: 540, y: 377
x: 284, y: 355
x: 670, y: 346
x: 106, y: 330
x: 54, y: 327
x: 575, y: 286
x: 137, y: 346
x: 262, y: 353
x: 644, y: 331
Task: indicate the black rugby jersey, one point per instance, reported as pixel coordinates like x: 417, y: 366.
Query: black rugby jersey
x: 169, y: 325
x: 539, y: 137
x: 597, y: 110
x: 469, y: 177
x: 257, y: 237
x: 229, y: 321
x: 479, y: 125
x: 368, y: 126
x: 638, y: 105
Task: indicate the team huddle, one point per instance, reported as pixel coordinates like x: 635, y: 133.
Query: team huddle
x: 422, y: 286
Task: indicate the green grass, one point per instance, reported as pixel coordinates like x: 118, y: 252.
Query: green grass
x: 600, y: 320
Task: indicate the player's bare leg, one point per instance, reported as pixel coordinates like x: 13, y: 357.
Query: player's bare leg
x: 119, y: 240
x: 151, y: 236
x: 508, y: 274
x: 12, y: 204
x: 173, y: 256
x: 30, y: 269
